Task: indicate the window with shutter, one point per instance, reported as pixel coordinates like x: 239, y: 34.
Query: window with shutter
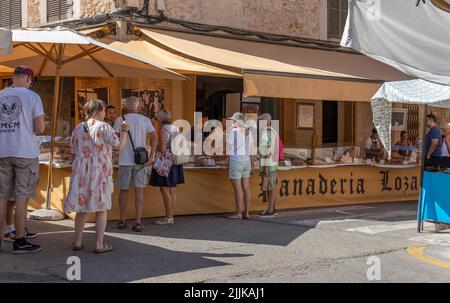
x: 10, y: 13
x: 59, y: 10
x: 337, y: 15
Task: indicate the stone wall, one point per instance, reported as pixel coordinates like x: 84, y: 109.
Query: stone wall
x: 91, y: 8
x: 299, y: 18
x: 34, y: 13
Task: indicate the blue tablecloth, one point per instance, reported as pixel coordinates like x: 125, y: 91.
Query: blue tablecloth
x: 435, y: 198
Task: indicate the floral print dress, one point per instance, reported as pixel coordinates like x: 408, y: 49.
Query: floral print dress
x: 91, y: 180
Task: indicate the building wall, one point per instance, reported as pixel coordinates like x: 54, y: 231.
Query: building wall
x: 89, y: 8
x: 33, y: 16
x: 301, y: 18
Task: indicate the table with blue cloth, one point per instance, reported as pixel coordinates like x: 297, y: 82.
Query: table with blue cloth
x: 435, y: 198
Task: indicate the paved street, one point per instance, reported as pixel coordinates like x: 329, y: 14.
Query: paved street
x: 314, y: 245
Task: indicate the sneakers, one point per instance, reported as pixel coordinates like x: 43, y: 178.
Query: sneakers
x: 30, y: 235
x: 22, y: 246
x: 10, y: 237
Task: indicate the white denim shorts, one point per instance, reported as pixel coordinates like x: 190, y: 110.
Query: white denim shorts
x: 239, y: 169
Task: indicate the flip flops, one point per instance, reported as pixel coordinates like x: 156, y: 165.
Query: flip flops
x: 235, y: 217
x: 106, y: 248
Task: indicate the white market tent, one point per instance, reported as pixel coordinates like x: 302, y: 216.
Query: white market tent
x: 410, y: 35
x: 418, y: 91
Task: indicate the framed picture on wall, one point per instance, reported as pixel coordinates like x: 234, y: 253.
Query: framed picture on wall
x: 150, y: 100
x: 399, y: 120
x: 305, y: 115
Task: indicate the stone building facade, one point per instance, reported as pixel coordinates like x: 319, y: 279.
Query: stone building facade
x: 298, y: 18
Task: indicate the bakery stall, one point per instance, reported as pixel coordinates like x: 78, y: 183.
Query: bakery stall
x: 322, y: 103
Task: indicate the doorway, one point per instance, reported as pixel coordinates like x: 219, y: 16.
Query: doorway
x: 329, y: 122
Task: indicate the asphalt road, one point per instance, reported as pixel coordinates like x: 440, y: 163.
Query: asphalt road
x: 361, y: 243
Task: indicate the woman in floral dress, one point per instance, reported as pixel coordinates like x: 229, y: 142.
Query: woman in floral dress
x: 91, y: 180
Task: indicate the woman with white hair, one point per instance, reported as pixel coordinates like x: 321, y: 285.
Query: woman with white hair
x: 165, y: 174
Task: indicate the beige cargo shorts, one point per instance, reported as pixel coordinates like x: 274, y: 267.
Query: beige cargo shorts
x: 19, y: 177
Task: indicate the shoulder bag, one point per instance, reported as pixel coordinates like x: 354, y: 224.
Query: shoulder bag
x: 140, y: 153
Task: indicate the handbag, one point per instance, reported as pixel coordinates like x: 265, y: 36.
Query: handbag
x: 177, y: 159
x: 163, y: 164
x: 140, y: 153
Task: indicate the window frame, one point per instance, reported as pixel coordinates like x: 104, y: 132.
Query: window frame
x: 341, y: 12
x: 60, y: 17
x: 9, y: 25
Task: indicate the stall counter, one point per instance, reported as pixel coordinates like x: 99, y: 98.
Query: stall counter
x: 208, y: 190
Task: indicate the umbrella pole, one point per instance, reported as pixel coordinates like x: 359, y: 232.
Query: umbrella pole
x: 47, y: 213
x: 422, y: 169
x: 54, y: 120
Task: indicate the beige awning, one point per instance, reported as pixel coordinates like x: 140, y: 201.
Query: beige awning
x: 274, y: 70
x: 5, y: 71
x: 144, y: 49
x: 277, y: 86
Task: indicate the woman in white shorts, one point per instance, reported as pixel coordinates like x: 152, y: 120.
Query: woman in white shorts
x: 240, y: 141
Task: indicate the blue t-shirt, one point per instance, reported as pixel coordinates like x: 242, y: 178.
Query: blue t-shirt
x: 434, y: 133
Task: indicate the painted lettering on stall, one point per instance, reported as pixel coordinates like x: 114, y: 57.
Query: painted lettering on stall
x: 348, y: 184
x: 322, y: 186
x: 399, y: 183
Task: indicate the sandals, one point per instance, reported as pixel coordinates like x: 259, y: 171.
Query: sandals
x: 122, y: 225
x: 75, y: 247
x: 165, y: 221
x: 235, y: 217
x: 137, y: 227
x: 106, y: 248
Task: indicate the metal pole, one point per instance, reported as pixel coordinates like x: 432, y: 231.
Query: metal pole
x: 422, y: 169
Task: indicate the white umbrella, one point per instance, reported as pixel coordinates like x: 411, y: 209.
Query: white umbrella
x: 417, y: 91
x: 63, y: 52
x: 410, y: 35
x: 5, y: 41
